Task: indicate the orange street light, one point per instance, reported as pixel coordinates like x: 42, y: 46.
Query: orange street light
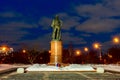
x: 96, y: 45
x: 78, y: 52
x: 86, y: 49
x: 116, y: 40
x: 24, y: 51
x: 4, y: 48
x: 110, y: 56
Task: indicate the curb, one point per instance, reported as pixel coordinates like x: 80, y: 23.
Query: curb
x: 8, y: 70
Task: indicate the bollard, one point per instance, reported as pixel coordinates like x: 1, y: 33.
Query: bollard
x: 100, y: 70
x: 20, y: 70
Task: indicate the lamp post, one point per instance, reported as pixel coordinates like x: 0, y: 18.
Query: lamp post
x: 98, y: 46
x: 77, y: 52
x: 116, y: 40
x: 78, y: 56
x: 109, y: 55
x: 4, y: 49
x: 86, y: 49
x: 115, y: 56
x: 24, y: 51
x: 87, y: 56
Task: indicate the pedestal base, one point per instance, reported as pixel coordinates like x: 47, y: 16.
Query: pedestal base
x: 56, y: 52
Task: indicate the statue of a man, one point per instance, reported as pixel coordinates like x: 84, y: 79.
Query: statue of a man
x: 56, y: 25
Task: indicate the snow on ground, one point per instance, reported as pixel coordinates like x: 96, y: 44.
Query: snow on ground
x: 109, y: 67
x: 9, y: 66
x: 71, y: 67
x: 5, y: 66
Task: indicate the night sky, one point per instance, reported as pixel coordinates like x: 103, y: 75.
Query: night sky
x: 27, y: 23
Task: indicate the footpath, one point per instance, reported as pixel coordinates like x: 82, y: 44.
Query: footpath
x: 109, y: 68
x: 4, y: 68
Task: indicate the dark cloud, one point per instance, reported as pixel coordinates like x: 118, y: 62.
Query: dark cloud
x: 31, y: 25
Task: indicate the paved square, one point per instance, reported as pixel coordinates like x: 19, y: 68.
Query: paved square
x: 61, y: 76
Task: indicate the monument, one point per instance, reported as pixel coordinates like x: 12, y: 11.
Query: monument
x: 56, y: 43
x: 56, y: 53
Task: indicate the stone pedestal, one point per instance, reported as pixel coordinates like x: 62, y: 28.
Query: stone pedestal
x: 56, y: 52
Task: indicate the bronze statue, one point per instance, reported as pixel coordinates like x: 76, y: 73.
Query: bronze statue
x: 56, y: 25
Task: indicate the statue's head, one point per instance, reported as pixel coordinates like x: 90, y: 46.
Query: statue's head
x: 57, y: 17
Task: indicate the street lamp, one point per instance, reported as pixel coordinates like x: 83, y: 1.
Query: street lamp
x: 109, y: 55
x: 86, y: 49
x: 86, y: 54
x: 98, y: 46
x: 4, y: 49
x: 24, y: 51
x: 116, y: 40
x: 78, y: 52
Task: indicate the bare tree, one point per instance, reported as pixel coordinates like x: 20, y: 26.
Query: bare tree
x: 32, y: 55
